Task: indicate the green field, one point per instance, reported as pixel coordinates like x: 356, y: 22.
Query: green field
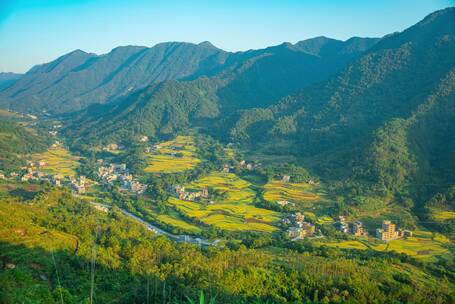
x: 163, y: 161
x: 442, y: 215
x: 294, y: 192
x: 235, y: 212
x: 58, y: 160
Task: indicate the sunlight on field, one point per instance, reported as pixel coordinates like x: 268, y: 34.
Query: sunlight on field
x: 172, y: 221
x: 346, y: 245
x: 236, y: 210
x: 422, y: 245
x: 294, y: 192
x: 58, y: 160
x: 443, y: 215
x: 173, y: 156
x: 17, y: 229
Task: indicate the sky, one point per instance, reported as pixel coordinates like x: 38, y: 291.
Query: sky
x: 38, y: 31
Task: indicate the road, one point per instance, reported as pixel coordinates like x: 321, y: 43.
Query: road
x: 159, y: 231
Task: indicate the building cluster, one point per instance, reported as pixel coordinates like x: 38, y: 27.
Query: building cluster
x: 285, y: 203
x: 299, y: 228
x: 182, y: 194
x: 119, y: 173
x: 389, y: 232
x: 356, y: 228
x: 79, y: 185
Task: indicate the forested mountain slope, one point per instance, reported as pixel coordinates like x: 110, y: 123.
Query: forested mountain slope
x: 387, y: 119
x: 78, y: 79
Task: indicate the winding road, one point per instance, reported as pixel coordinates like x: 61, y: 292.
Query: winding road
x: 159, y: 231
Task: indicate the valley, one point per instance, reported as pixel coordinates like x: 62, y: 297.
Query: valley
x: 320, y: 171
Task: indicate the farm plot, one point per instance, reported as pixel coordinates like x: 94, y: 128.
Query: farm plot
x: 173, y: 156
x: 58, y: 160
x: 294, y: 192
x: 235, y: 211
x: 422, y: 245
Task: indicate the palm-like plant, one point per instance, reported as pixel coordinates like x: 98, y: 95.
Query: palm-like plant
x: 201, y: 299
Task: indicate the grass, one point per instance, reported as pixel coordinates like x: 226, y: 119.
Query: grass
x: 58, y: 160
x: 294, y: 192
x: 235, y: 211
x: 163, y: 161
x: 17, y: 228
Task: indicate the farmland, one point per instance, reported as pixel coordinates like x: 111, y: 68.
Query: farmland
x: 275, y: 191
x: 235, y: 212
x: 58, y: 160
x: 442, y: 215
x: 173, y: 156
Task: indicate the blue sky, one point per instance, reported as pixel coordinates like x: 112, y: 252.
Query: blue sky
x: 38, y: 31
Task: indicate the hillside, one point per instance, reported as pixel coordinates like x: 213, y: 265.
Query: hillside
x: 17, y: 140
x: 6, y: 79
x: 78, y: 79
x: 386, y: 121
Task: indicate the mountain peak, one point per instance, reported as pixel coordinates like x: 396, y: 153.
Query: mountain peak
x: 207, y: 44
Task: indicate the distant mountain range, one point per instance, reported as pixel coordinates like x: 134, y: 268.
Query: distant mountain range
x: 378, y: 114
x: 382, y: 115
x: 78, y: 79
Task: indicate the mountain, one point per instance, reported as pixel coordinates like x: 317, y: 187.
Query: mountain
x: 165, y: 108
x: 386, y: 121
x: 78, y: 79
x: 6, y: 79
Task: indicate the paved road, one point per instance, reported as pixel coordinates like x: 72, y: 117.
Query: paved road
x: 159, y: 231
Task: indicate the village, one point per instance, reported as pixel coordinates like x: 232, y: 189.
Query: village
x: 117, y: 174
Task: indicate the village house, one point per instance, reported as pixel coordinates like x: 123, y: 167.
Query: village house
x: 144, y: 138
x: 357, y: 229
x: 286, y: 179
x: 389, y: 232
x: 285, y: 203
x: 191, y: 196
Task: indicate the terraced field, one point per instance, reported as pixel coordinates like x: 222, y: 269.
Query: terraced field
x: 294, y: 192
x: 173, y: 156
x: 443, y: 215
x: 235, y: 212
x: 58, y: 160
x: 422, y: 245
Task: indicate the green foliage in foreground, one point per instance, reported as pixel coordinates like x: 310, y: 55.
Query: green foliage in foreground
x: 133, y: 266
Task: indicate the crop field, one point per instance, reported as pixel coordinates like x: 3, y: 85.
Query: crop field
x: 173, y: 156
x: 294, y: 192
x: 235, y: 212
x: 422, y: 245
x: 58, y: 160
x: 176, y: 222
x: 442, y: 216
x: 346, y: 245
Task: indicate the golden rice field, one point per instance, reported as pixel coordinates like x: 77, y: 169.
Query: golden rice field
x: 236, y: 212
x: 175, y: 222
x: 163, y: 161
x: 422, y: 245
x: 346, y: 245
x: 294, y: 192
x: 442, y: 215
x: 58, y: 160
